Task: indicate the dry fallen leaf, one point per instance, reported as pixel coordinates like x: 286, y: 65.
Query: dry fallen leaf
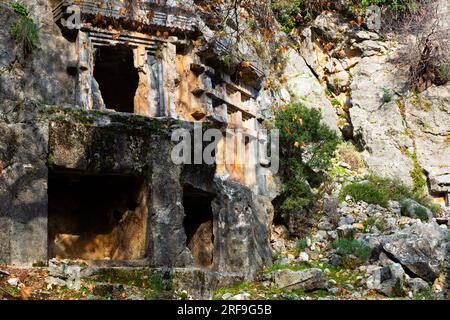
x: 25, y: 293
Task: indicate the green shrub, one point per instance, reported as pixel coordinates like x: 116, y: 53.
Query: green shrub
x: 367, y: 192
x: 301, y: 244
x: 335, y: 102
x: 157, y: 283
x: 369, y: 223
x: 386, y: 96
x: 288, y: 13
x: 417, y: 175
x: 306, y: 147
x: 295, y: 13
x: 394, y: 190
x: 349, y: 246
x: 444, y: 71
x: 19, y: 9
x: 395, y: 5
x: 419, y: 212
x: 347, y: 152
x: 26, y: 34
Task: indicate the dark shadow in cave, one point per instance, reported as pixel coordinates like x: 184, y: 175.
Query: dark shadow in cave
x: 117, y: 77
x: 198, y: 224
x: 94, y: 216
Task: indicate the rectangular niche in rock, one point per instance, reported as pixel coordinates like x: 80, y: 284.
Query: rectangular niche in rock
x: 96, y: 217
x: 198, y: 224
x: 117, y: 77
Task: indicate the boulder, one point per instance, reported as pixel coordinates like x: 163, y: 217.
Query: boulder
x: 420, y: 248
x: 373, y: 243
x: 64, y: 272
x: 418, y: 285
x: 412, y: 209
x: 388, y: 280
x: 325, y: 225
x: 307, y: 280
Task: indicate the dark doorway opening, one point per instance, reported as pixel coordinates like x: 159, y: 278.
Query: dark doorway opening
x: 198, y: 224
x: 96, y: 217
x: 117, y: 77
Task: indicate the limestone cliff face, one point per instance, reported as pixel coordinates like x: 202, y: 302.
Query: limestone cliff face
x: 398, y: 130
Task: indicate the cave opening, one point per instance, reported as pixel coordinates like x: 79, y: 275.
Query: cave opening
x: 198, y: 224
x: 117, y: 77
x: 96, y: 217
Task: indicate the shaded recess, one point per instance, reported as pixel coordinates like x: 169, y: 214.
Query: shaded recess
x: 117, y: 77
x: 95, y: 217
x: 198, y: 224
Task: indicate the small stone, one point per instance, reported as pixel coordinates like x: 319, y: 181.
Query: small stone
x: 289, y: 296
x: 395, y: 207
x: 334, y: 291
x: 14, y: 282
x: 279, y: 246
x: 332, y: 235
x: 345, y: 231
x: 348, y: 220
x: 325, y: 225
x: 349, y: 286
x: 326, y: 271
x: 332, y: 282
x: 227, y: 296
x: 282, y: 261
x: 6, y: 273
x: 303, y: 257
x: 335, y: 259
x: 241, y: 296
x: 320, y: 236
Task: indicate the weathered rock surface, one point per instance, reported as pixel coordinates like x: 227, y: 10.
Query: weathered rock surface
x: 305, y: 88
x: 412, y: 209
x: 428, y: 119
x: 391, y: 124
x: 388, y: 280
x: 420, y: 249
x: 418, y: 285
x: 378, y: 124
x: 307, y: 280
x: 63, y: 273
x: 50, y: 82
